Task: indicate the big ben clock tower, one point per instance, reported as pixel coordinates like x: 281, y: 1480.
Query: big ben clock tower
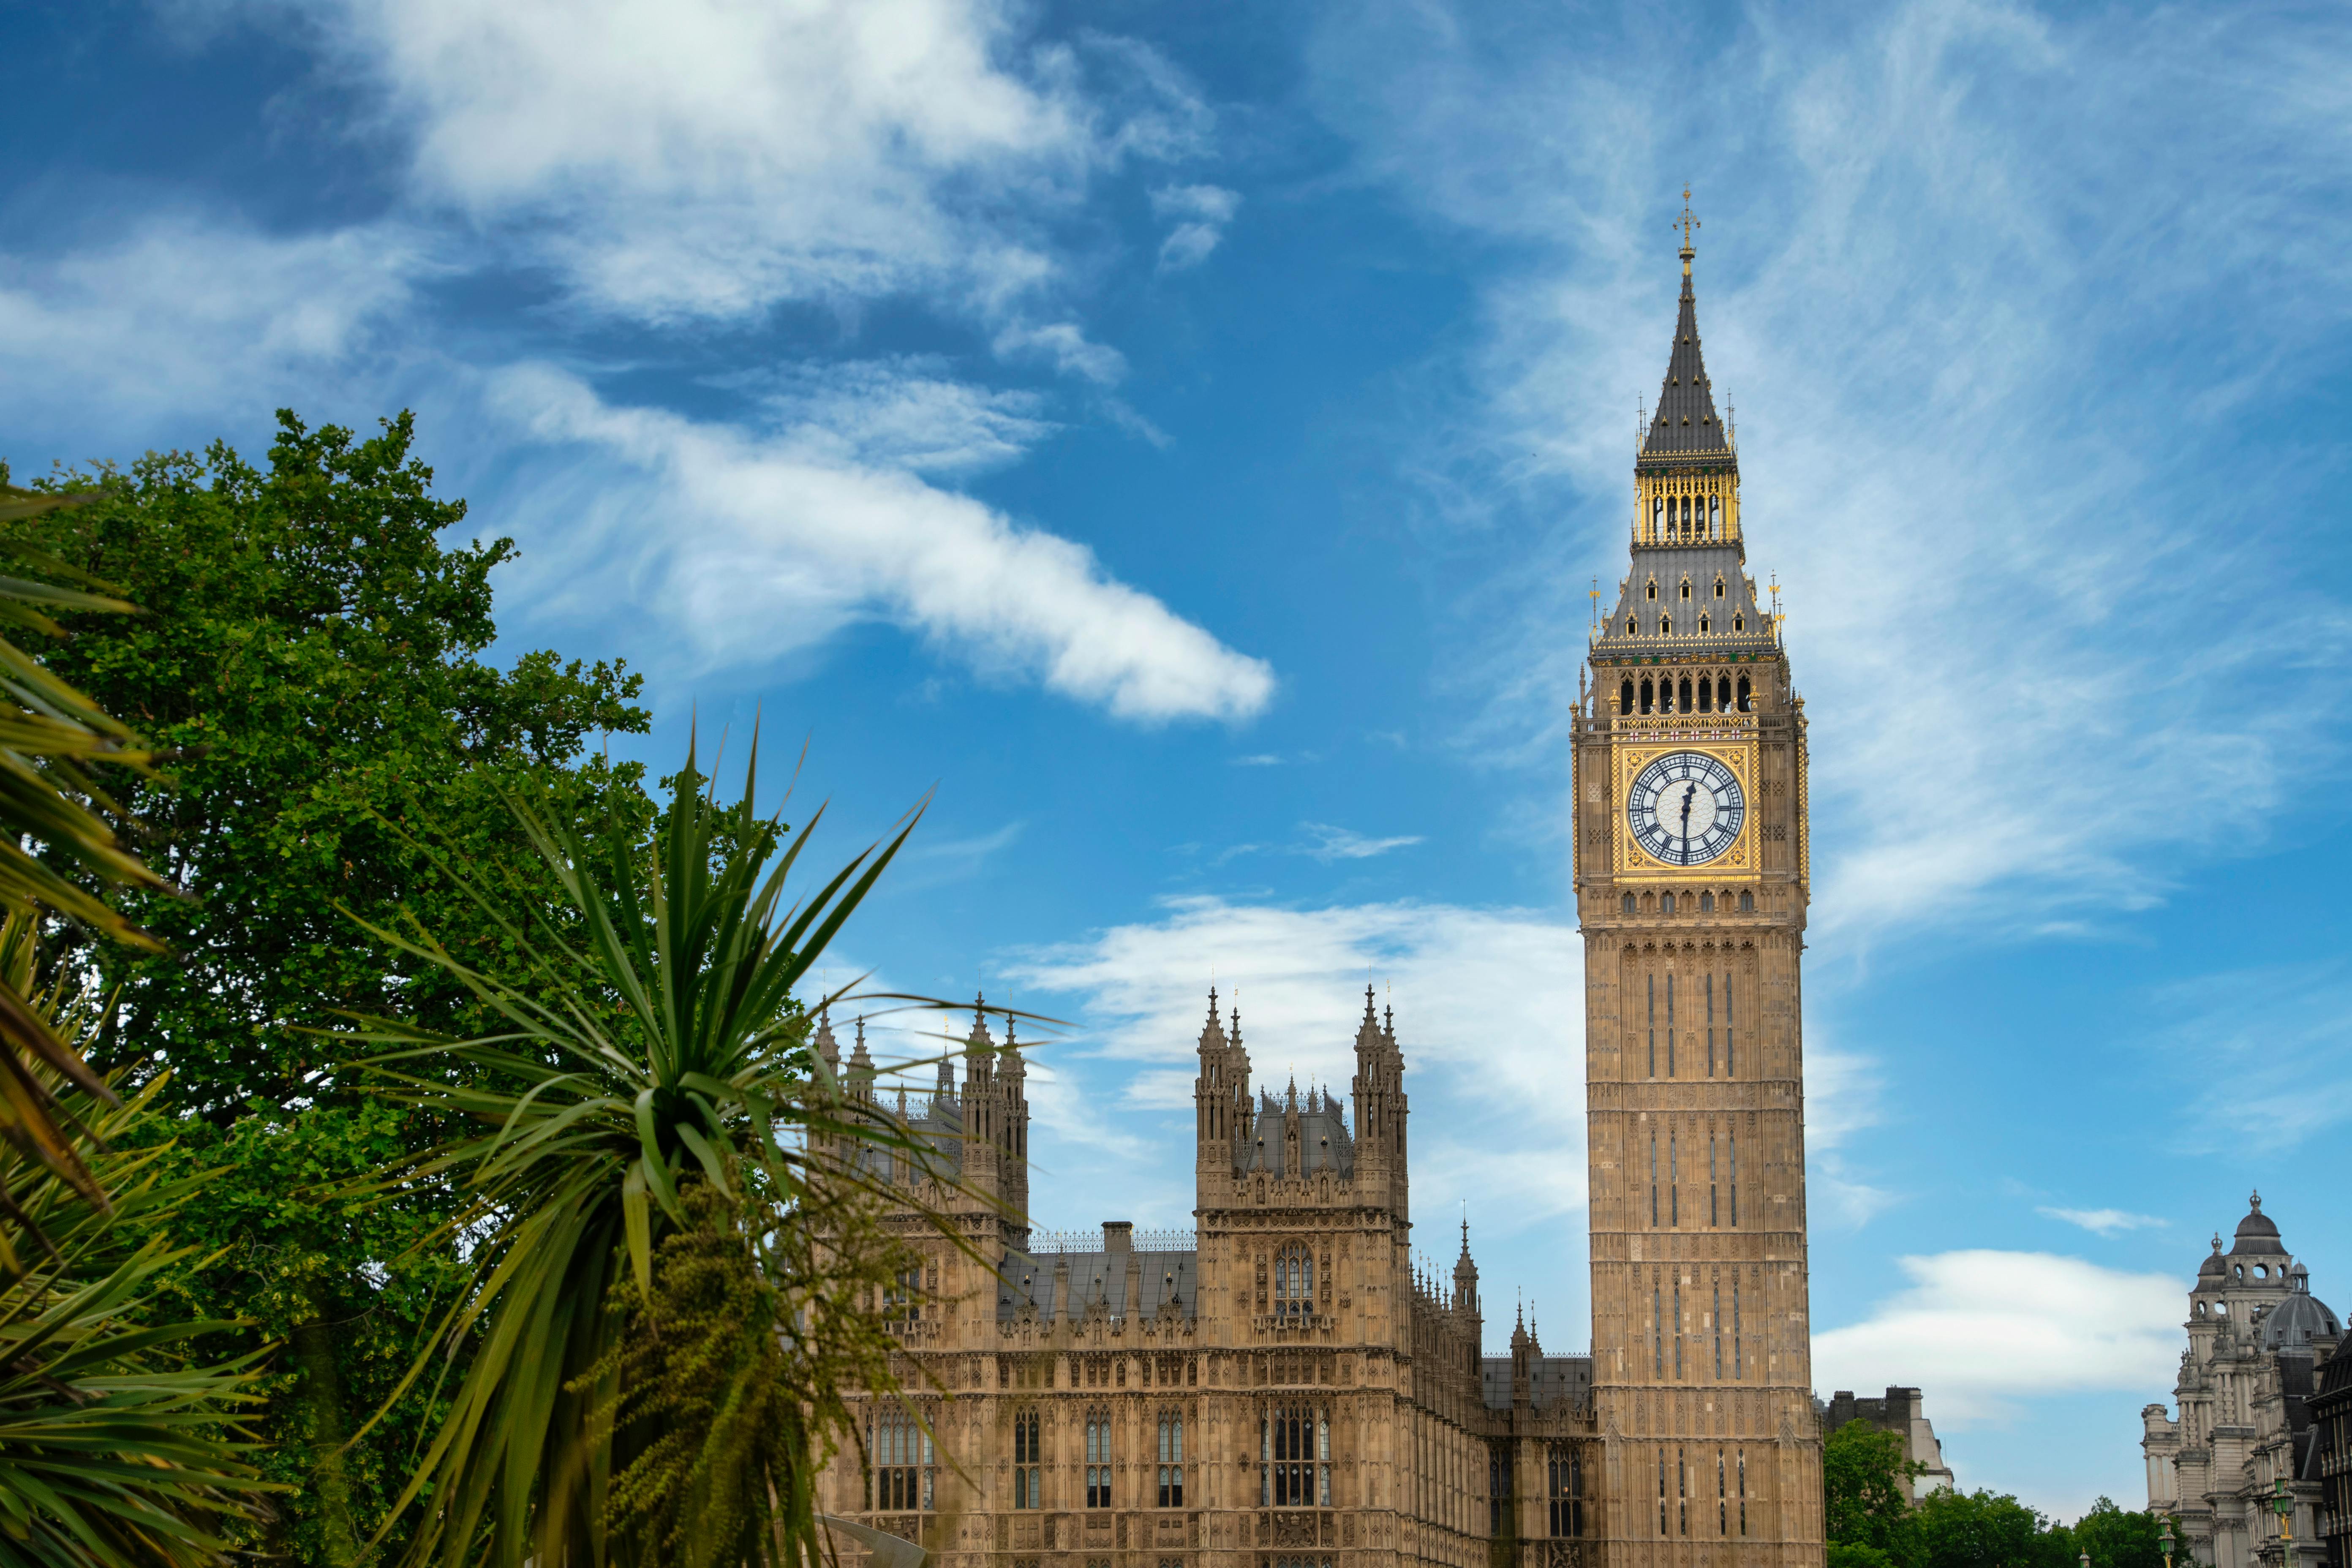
x: 1690, y: 881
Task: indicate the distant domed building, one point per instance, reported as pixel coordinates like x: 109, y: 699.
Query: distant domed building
x: 2242, y: 1436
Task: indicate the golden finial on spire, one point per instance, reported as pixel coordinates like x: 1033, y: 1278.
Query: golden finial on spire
x: 1688, y: 221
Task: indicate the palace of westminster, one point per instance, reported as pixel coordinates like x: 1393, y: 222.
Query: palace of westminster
x: 1281, y: 1387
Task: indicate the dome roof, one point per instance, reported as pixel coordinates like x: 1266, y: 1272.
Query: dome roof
x: 2302, y: 1317
x: 2213, y: 1268
x: 2257, y: 1233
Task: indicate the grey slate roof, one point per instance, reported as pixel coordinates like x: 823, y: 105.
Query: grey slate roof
x: 1555, y: 1378
x: 1704, y: 564
x: 1037, y: 1283
x: 1684, y: 422
x: 2302, y: 1317
x: 2257, y: 1233
x: 1323, y: 1141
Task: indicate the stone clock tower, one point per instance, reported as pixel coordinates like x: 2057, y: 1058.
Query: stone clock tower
x: 1691, y: 880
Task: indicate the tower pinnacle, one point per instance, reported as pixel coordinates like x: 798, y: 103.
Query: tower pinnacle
x: 1688, y: 221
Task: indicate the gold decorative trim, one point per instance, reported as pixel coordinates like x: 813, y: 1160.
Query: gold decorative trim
x: 1626, y: 762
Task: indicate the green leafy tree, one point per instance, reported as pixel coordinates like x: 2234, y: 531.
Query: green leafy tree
x: 2119, y: 1537
x: 659, y: 1106
x: 311, y: 659
x: 1866, y: 1478
x: 311, y: 667
x: 1984, y: 1530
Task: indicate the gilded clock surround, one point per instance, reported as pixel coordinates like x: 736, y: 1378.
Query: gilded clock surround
x: 1739, y: 862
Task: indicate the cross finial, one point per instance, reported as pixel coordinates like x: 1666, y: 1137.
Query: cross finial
x: 1689, y: 220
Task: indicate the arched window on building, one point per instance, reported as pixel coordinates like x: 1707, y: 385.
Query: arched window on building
x: 1743, y: 694
x: 1564, y: 1488
x: 1499, y: 1491
x: 902, y: 1459
x: 1625, y: 695
x: 1747, y: 903
x: 1629, y: 903
x: 1294, y: 1457
x: 1294, y: 1282
x: 1171, y: 1459
x: 1028, y: 1461
x: 1099, y: 1459
x: 1646, y: 696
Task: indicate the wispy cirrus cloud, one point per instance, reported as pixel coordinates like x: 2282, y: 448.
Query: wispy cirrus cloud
x: 1926, y: 235
x: 2103, y: 1222
x: 1200, y: 213
x: 1329, y: 843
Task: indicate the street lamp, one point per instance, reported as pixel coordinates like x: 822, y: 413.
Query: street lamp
x: 2166, y: 1539
x: 2284, y: 1506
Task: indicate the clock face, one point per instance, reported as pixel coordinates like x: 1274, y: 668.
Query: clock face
x: 1685, y: 809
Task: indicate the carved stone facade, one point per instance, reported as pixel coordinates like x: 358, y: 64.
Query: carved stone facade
x: 1277, y: 1389
x: 1280, y: 1388
x: 2239, y: 1462
x: 1690, y: 884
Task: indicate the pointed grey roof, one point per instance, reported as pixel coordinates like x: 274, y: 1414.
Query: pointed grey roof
x: 1684, y: 421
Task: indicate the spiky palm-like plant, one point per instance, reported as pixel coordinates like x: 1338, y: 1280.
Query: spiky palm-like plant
x: 117, y: 1449
x: 50, y: 735
x: 642, y: 1149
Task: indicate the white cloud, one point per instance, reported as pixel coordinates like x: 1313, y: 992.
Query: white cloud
x: 775, y: 548
x: 704, y: 158
x: 1063, y: 346
x: 1483, y: 997
x: 1201, y: 213
x: 1339, y: 844
x: 1935, y: 247
x: 2105, y: 1222
x: 899, y: 414
x: 183, y: 315
x: 1984, y: 1331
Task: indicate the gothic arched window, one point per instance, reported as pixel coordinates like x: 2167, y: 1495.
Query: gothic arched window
x: 1625, y: 695
x: 1666, y: 626
x: 1171, y: 1459
x: 1099, y: 1459
x: 1645, y: 694
x: 1629, y: 903
x: 1294, y: 1457
x: 1028, y: 1458
x: 1564, y: 1485
x: 1747, y: 903
x: 900, y: 1452
x: 1294, y: 1282
x: 1744, y: 694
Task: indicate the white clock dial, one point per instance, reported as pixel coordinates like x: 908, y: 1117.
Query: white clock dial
x: 1685, y: 808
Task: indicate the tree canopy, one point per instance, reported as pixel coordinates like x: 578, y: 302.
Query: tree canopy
x: 311, y: 665
x: 1867, y: 1482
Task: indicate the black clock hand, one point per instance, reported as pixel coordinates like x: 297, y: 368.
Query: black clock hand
x: 1689, y: 793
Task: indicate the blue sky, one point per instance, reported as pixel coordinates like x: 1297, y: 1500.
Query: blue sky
x: 1185, y: 436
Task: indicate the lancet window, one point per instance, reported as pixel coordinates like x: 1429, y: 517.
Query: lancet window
x: 1294, y: 1457
x: 902, y: 1458
x: 1171, y: 1459
x: 1294, y: 1282
x: 1564, y: 1486
x: 1098, y: 1459
x: 1028, y: 1461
